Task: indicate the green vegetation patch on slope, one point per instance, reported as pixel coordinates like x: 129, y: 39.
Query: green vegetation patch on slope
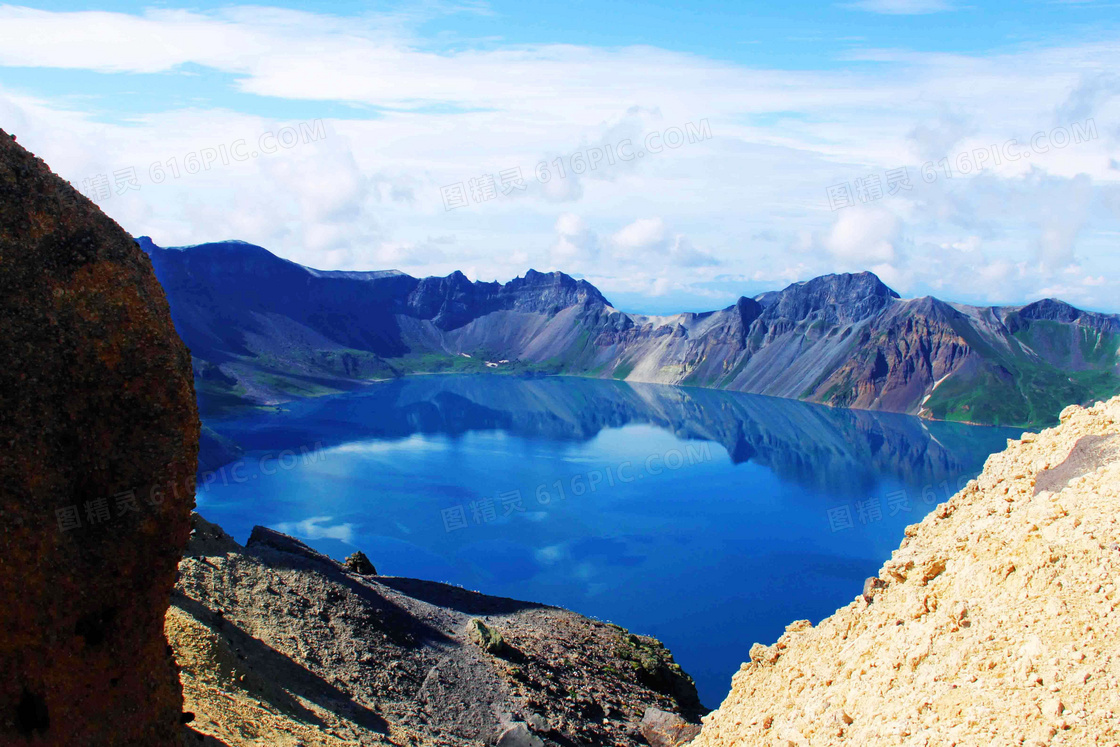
x: 986, y: 396
x: 419, y: 363
x: 1016, y: 387
x: 623, y: 369
x: 1051, y: 340
x: 1099, y: 349
x: 1072, y: 346
x: 218, y: 397
x: 1031, y: 394
x: 294, y: 386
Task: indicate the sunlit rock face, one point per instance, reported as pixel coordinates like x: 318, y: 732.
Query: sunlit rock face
x: 100, y: 437
x: 994, y: 622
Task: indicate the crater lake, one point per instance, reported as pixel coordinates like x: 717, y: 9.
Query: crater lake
x: 708, y: 519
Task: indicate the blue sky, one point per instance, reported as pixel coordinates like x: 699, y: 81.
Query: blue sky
x: 777, y: 104
x: 805, y: 35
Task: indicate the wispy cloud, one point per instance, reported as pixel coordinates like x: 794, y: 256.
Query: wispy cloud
x: 367, y: 196
x: 317, y: 527
x: 901, y: 7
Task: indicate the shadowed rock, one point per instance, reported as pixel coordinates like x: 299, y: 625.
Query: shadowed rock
x: 1088, y: 454
x: 360, y: 564
x: 100, y: 438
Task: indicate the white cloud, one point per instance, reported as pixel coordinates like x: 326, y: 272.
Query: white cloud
x: 317, y: 527
x: 552, y: 554
x: 901, y: 7
x: 1060, y: 219
x: 934, y: 139
x: 967, y: 245
x: 641, y: 234
x: 576, y: 244
x: 368, y: 195
x: 863, y: 236
x: 648, y: 241
x: 683, y: 254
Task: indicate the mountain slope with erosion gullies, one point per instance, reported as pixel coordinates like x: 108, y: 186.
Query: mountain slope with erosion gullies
x: 265, y: 330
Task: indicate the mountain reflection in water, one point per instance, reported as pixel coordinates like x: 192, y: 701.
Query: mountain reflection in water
x: 709, y: 519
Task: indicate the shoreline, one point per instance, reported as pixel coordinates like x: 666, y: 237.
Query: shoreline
x: 1029, y: 428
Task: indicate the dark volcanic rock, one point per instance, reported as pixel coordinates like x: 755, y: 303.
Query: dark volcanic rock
x: 1050, y: 309
x: 1053, y: 310
x: 282, y: 645
x: 749, y: 310
x: 360, y: 564
x: 453, y: 301
x: 831, y: 299
x: 100, y: 438
x: 1089, y: 454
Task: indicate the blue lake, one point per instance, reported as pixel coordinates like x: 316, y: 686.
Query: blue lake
x: 707, y: 519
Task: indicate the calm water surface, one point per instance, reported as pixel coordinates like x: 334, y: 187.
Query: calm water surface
x: 707, y: 519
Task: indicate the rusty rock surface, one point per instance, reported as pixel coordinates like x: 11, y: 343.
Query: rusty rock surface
x: 98, y: 448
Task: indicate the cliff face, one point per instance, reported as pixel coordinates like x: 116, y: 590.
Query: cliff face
x: 898, y: 359
x: 266, y: 330
x: 100, y: 438
x: 995, y: 622
x: 281, y: 645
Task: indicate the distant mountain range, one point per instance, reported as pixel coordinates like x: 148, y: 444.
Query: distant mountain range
x: 265, y: 330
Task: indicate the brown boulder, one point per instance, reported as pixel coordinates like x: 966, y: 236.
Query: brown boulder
x: 360, y: 564
x: 98, y: 448
x: 663, y: 729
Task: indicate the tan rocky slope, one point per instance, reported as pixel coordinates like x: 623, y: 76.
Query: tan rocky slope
x: 995, y: 623
x: 280, y: 645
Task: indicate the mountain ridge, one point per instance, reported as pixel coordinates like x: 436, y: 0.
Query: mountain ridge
x: 264, y: 330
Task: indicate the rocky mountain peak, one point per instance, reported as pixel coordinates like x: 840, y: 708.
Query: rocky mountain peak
x: 847, y: 297
x: 749, y: 309
x: 555, y: 288
x: 1056, y: 310
x: 932, y: 307
x: 1050, y: 309
x: 789, y: 343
